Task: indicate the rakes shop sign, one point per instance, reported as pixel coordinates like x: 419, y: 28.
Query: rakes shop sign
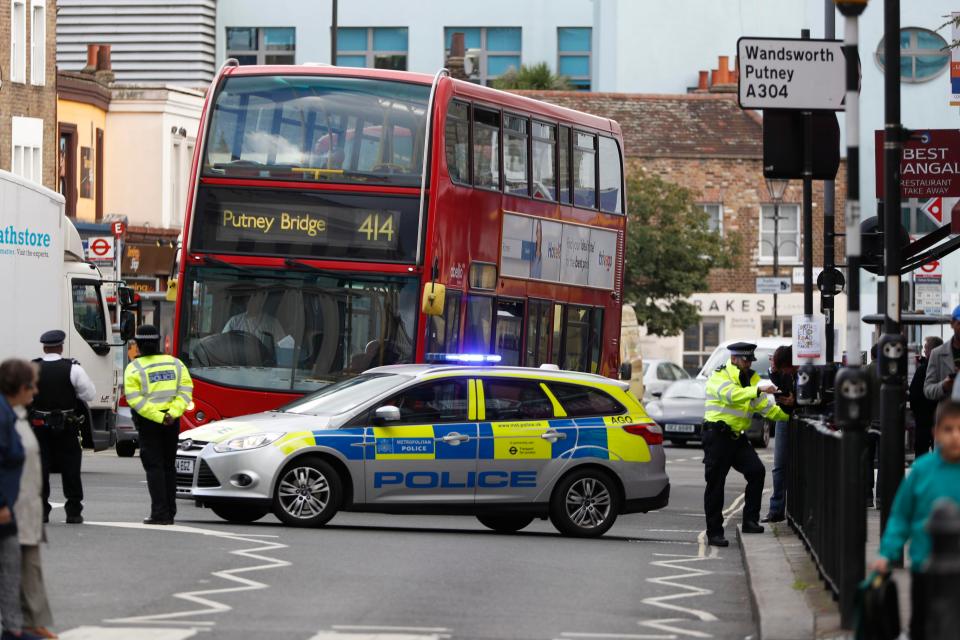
x: 929, y: 167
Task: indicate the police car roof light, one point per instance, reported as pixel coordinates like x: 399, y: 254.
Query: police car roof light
x: 478, y: 358
x: 644, y: 431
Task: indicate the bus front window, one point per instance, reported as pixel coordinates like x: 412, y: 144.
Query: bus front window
x: 293, y: 330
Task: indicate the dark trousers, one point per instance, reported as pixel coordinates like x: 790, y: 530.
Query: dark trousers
x: 918, y: 606
x: 923, y: 437
x: 721, y: 453
x: 158, y: 454
x: 60, y: 449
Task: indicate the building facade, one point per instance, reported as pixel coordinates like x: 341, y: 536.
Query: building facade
x: 28, y: 100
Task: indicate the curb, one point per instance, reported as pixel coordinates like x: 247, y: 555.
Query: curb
x: 781, y: 611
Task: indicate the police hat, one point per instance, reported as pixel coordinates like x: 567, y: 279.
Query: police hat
x: 742, y: 350
x: 147, y: 333
x: 53, y: 338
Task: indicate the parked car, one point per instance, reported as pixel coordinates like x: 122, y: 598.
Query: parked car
x: 658, y: 375
x: 679, y: 411
x: 760, y: 429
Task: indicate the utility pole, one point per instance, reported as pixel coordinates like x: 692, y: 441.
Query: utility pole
x: 893, y: 380
x: 333, y: 34
x: 776, y: 187
x: 807, y: 226
x: 829, y: 207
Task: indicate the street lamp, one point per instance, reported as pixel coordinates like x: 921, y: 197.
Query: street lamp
x: 776, y: 187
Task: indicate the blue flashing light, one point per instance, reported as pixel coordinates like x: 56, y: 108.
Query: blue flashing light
x: 473, y: 358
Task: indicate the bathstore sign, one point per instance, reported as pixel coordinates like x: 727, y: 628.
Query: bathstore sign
x: 24, y: 241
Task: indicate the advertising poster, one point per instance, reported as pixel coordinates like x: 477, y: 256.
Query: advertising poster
x: 575, y: 265
x: 955, y: 64
x: 808, y: 332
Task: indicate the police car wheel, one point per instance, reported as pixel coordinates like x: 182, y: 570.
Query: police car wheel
x: 763, y: 440
x: 585, y: 504
x: 126, y: 449
x: 505, y: 523
x: 239, y: 513
x: 307, y: 494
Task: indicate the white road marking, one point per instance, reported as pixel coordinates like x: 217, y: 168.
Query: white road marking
x: 374, y: 627
x: 376, y: 632
x: 208, y: 605
x: 616, y: 636
x: 667, y: 625
x: 126, y: 633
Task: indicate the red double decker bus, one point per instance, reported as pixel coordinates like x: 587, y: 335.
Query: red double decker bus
x: 326, y: 201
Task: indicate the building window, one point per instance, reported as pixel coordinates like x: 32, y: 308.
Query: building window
x: 699, y: 341
x: 573, y: 55
x: 18, y: 41
x: 265, y: 45
x: 923, y: 54
x: 789, y: 233
x: 372, y: 47
x: 498, y: 49
x: 783, y: 327
x: 27, y: 139
x: 38, y: 42
x: 714, y: 217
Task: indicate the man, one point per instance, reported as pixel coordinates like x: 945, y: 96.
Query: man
x: 56, y: 414
x: 257, y: 322
x: 943, y: 364
x: 158, y: 389
x: 923, y: 408
x: 734, y: 394
x: 782, y: 374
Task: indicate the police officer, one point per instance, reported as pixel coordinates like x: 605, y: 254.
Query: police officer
x: 56, y: 413
x: 734, y: 394
x: 158, y: 389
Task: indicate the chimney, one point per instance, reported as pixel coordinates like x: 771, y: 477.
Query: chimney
x: 92, y: 50
x: 723, y: 67
x: 724, y: 80
x: 703, y: 84
x: 455, y: 59
x: 103, y: 58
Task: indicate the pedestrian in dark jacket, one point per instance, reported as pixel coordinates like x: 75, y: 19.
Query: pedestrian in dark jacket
x: 922, y: 407
x: 782, y: 374
x: 17, y: 388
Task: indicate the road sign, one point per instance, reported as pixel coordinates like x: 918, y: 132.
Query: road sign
x: 798, y: 274
x: 932, y: 269
x: 929, y: 166
x: 774, y: 285
x: 830, y: 282
x: 785, y: 73
x: 119, y: 228
x: 928, y: 296
x: 100, y: 248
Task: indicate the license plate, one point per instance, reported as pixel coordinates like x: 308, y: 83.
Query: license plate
x: 681, y: 428
x: 185, y: 465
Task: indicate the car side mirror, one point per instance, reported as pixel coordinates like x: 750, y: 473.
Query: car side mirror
x: 386, y: 413
x: 127, y: 297
x: 128, y: 324
x: 626, y: 371
x: 657, y: 394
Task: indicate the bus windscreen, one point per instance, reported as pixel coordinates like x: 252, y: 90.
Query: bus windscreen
x: 318, y: 129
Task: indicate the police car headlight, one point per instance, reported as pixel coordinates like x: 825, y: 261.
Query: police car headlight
x: 247, y: 442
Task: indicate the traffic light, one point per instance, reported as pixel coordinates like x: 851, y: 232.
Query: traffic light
x: 871, y: 243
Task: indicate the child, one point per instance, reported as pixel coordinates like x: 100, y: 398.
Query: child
x: 933, y: 476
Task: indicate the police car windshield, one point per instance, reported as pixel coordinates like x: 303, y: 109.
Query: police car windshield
x: 719, y: 358
x: 687, y: 389
x: 345, y: 395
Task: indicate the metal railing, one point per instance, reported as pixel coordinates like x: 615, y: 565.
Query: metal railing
x: 826, y: 502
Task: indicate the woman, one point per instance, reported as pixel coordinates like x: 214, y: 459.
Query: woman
x: 17, y: 387
x: 29, y: 514
x: 782, y: 374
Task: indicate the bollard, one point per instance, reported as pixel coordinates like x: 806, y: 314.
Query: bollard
x: 943, y: 572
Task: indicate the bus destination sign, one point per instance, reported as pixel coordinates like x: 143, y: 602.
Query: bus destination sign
x: 316, y: 225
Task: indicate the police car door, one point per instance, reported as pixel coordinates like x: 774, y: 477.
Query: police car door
x: 429, y: 455
x: 517, y: 440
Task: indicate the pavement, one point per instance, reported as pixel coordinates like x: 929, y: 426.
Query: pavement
x: 388, y: 577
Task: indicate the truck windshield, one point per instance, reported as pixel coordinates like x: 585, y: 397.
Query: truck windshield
x: 318, y: 129
x: 88, y: 315
x: 291, y: 330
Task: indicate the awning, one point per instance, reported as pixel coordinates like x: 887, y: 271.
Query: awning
x: 147, y: 259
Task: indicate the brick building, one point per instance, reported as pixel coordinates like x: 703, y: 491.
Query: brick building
x: 706, y: 143
x: 28, y: 90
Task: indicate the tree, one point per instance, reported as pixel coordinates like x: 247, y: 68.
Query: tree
x: 538, y: 77
x: 670, y: 252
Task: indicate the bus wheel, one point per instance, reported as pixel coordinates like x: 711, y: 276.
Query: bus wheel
x: 505, y: 523
x: 308, y: 493
x: 585, y: 504
x: 240, y: 513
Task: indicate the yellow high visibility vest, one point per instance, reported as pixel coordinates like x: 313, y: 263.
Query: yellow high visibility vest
x: 733, y: 404
x: 158, y: 385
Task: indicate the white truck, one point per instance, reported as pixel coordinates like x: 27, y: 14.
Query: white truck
x: 49, y: 285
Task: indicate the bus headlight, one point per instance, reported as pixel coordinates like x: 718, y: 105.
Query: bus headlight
x: 244, y: 443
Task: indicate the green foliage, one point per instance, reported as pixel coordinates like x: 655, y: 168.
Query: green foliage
x: 670, y: 252
x: 538, y: 77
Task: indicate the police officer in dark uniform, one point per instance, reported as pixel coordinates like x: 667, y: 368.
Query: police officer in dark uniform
x: 55, y: 415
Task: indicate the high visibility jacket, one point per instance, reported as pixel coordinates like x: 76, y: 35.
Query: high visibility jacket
x: 733, y: 404
x: 155, y: 386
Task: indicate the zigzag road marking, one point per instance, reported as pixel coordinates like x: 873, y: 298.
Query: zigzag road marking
x: 208, y: 605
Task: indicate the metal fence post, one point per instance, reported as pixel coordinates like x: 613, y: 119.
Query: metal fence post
x: 943, y: 572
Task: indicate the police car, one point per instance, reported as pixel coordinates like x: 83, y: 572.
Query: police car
x: 505, y: 444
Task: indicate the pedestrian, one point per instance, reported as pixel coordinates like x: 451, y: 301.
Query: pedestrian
x: 17, y: 388
x: 56, y: 416
x: 29, y: 515
x: 922, y: 407
x: 782, y: 374
x: 943, y: 364
x: 158, y: 389
x: 934, y: 476
x: 734, y: 394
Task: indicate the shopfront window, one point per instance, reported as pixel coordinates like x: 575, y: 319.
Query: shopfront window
x: 699, y: 341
